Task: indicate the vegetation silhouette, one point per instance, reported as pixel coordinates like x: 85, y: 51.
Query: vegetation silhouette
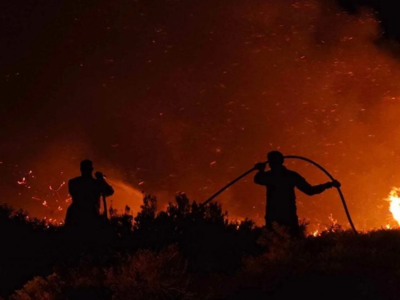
x: 192, y: 252
x: 204, y: 237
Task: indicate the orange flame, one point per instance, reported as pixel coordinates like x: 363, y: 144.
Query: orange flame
x: 394, y: 199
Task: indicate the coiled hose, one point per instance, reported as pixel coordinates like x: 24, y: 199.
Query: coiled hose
x: 295, y: 157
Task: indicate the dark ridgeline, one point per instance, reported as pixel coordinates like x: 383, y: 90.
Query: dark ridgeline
x: 281, y: 199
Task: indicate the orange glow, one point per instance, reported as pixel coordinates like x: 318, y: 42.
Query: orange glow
x: 299, y: 76
x: 394, y: 199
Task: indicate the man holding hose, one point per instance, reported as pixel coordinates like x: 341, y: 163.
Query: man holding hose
x: 85, y: 191
x: 281, y: 198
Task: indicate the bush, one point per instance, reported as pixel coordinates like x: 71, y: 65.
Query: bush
x: 203, y: 235
x: 193, y: 252
x: 144, y: 275
x: 27, y: 248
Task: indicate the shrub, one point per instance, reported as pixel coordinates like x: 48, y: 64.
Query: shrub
x: 144, y: 275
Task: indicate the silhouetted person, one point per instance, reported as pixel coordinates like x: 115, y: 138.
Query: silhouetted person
x: 83, y: 213
x: 281, y: 198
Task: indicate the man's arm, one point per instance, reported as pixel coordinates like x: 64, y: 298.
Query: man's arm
x: 261, y: 176
x: 310, y: 190
x: 106, y: 189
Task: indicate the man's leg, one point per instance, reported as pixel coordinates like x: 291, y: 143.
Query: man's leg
x: 268, y: 224
x: 294, y: 227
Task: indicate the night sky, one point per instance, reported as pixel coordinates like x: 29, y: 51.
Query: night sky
x: 170, y: 96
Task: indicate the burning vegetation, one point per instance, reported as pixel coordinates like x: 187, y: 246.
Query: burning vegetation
x: 394, y: 201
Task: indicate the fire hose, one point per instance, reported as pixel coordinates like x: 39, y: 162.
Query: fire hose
x: 295, y: 157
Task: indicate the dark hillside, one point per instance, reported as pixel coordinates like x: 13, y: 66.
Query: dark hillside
x: 187, y: 252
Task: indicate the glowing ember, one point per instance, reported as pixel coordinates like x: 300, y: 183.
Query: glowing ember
x: 332, y: 220
x: 394, y: 199
x: 23, y: 181
x: 57, y: 190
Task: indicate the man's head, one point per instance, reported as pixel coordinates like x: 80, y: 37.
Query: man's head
x: 86, y: 167
x: 275, y: 159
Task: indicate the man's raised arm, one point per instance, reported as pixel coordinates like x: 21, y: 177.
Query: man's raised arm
x: 260, y: 177
x: 106, y: 189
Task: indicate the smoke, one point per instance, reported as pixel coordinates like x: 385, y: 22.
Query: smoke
x: 187, y: 103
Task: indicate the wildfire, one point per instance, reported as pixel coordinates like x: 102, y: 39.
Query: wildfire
x: 394, y: 199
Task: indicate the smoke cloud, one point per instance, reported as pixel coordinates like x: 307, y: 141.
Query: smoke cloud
x: 186, y: 95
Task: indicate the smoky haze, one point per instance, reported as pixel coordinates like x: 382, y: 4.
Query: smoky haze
x: 170, y: 96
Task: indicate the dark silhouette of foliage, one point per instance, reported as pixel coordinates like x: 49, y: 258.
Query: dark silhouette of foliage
x: 203, y: 235
x: 26, y: 248
x: 192, y: 252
